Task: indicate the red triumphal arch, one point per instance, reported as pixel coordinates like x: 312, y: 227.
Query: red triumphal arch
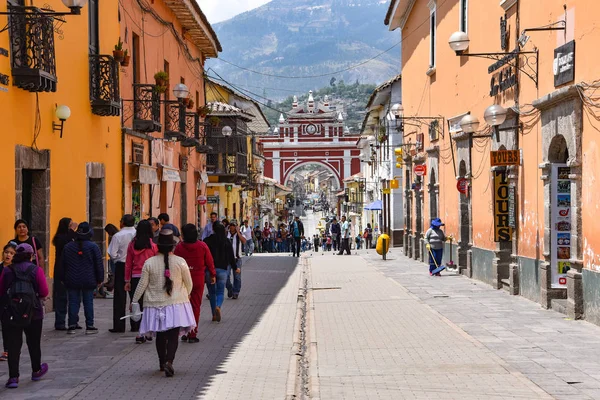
x: 312, y: 133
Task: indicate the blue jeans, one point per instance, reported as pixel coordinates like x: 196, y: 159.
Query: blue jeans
x: 216, y: 292
x: 236, y: 287
x: 75, y: 298
x: 438, y: 254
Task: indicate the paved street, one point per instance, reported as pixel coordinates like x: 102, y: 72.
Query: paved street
x: 374, y: 330
x: 247, y: 355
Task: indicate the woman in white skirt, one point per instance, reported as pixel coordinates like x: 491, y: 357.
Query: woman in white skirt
x: 166, y: 284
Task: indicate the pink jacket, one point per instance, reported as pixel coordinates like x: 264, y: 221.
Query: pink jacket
x: 136, y: 258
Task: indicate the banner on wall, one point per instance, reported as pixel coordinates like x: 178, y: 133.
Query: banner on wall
x: 561, y: 225
x: 503, y: 232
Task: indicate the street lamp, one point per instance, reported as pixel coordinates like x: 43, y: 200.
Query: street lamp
x: 495, y: 115
x: 181, y: 91
x: 397, y: 110
x: 459, y: 42
x: 226, y: 131
x: 63, y: 113
x: 469, y: 123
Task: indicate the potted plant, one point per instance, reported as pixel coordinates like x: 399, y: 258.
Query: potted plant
x: 161, y: 78
x: 126, y: 57
x: 160, y: 89
x: 118, y: 53
x: 186, y: 101
x: 382, y: 137
x: 190, y: 104
x: 203, y: 111
x: 214, y: 121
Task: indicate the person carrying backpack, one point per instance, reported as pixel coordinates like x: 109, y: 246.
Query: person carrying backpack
x: 22, y: 289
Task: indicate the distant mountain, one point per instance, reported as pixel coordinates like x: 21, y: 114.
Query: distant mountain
x: 306, y: 38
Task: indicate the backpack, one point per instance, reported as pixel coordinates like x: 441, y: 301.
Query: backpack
x: 22, y: 298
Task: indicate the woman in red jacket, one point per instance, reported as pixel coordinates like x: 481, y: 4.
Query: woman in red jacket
x: 198, y: 257
x: 140, y: 249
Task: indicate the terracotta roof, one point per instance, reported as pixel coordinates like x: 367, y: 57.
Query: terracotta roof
x: 351, y: 178
x: 219, y: 109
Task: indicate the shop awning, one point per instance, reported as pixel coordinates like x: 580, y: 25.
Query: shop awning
x: 374, y: 206
x: 147, y: 175
x: 170, y: 174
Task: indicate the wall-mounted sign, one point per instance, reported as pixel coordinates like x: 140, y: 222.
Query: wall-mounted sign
x: 170, y: 174
x: 512, y: 214
x: 564, y: 64
x: 394, y: 184
x: 506, y: 77
x: 503, y: 33
x: 212, y: 199
x: 420, y: 170
x: 462, y: 185
x: 201, y: 200
x: 505, y: 157
x: 502, y: 229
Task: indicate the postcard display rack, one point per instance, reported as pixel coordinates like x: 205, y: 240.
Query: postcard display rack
x: 561, y: 225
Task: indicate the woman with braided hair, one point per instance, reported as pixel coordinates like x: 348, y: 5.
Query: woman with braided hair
x: 166, y: 285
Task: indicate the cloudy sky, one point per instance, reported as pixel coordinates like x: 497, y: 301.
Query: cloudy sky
x: 220, y: 10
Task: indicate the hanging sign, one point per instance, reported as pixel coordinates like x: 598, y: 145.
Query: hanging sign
x: 212, y: 199
x: 564, y: 64
x: 561, y: 225
x: 462, y: 185
x: 506, y: 77
x: 420, y: 169
x: 505, y: 157
x: 502, y: 229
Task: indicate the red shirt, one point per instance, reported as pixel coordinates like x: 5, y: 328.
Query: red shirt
x: 198, y: 257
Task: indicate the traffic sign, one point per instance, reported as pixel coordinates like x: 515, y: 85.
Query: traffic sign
x: 212, y: 199
x: 420, y: 169
x: 201, y: 200
x: 462, y: 185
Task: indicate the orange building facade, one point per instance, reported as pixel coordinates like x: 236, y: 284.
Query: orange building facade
x: 164, y: 164
x: 514, y: 184
x: 55, y: 168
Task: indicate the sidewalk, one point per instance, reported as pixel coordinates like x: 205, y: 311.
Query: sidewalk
x: 385, y: 329
x: 559, y: 355
x: 247, y: 355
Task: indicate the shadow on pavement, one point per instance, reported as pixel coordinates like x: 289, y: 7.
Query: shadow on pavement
x: 110, y: 365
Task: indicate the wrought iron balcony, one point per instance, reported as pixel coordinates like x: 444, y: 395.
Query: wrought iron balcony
x: 104, y: 85
x: 33, y: 60
x: 174, y: 120
x: 228, y: 157
x: 146, y: 108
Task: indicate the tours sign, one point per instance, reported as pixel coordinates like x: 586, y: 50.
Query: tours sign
x: 503, y: 232
x: 502, y: 158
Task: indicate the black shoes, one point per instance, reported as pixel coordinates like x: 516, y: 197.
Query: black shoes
x: 184, y: 338
x: 169, y: 370
x: 193, y: 340
x: 112, y: 330
x: 229, y: 293
x: 235, y: 296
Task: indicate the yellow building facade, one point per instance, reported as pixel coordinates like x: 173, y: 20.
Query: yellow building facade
x: 236, y: 193
x: 59, y: 169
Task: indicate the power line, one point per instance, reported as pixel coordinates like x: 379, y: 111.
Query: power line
x: 335, y: 72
